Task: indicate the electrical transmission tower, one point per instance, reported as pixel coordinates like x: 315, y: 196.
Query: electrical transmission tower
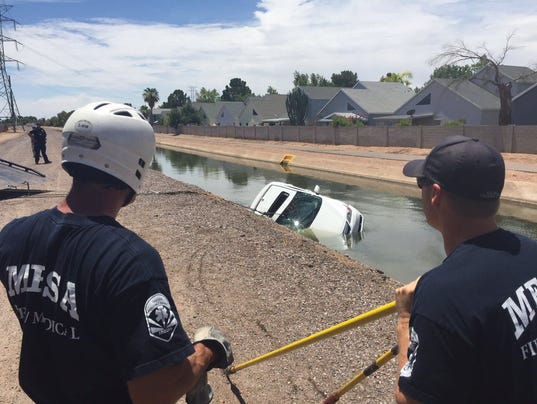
x: 192, y: 93
x: 8, y: 106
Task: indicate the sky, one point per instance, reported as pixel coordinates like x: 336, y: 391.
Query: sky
x: 73, y: 52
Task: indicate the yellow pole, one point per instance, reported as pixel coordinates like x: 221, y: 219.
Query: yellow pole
x: 380, y: 361
x: 328, y: 332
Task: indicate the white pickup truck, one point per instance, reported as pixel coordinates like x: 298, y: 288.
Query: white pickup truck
x: 301, y: 209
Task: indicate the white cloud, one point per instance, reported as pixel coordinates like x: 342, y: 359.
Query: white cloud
x: 113, y: 59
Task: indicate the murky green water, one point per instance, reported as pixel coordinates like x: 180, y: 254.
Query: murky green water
x: 397, y: 240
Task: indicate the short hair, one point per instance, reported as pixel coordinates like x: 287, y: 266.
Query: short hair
x: 84, y: 173
x: 472, y: 208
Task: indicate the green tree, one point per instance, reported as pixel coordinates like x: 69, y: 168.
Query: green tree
x: 176, y: 99
x: 313, y: 79
x: 237, y: 90
x: 459, y: 53
x: 151, y: 97
x: 403, y: 77
x: 344, y: 79
x: 271, y: 90
x: 190, y: 116
x: 187, y: 115
x: 174, y: 118
x: 455, y: 71
x: 24, y: 120
x: 144, y: 109
x: 58, y: 120
x: 300, y: 79
x: 319, y: 81
x: 296, y: 104
x: 206, y: 95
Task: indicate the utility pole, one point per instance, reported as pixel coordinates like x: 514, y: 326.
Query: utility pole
x: 8, y: 105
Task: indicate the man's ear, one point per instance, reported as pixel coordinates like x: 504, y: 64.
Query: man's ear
x: 436, y: 194
x: 130, y: 198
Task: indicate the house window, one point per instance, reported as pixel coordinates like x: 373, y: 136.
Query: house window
x: 425, y: 100
x: 350, y: 107
x: 254, y: 112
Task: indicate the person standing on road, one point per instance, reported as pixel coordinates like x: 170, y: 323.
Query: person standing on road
x: 467, y: 329
x: 39, y: 143
x: 98, y: 320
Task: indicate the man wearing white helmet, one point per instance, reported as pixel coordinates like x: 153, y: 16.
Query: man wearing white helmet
x: 92, y: 298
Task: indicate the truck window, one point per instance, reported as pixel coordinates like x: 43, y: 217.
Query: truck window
x: 301, y: 211
x: 277, y: 203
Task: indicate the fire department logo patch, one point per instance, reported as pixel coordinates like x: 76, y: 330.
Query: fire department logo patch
x: 161, y: 320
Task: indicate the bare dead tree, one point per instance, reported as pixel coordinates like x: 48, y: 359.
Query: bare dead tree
x: 459, y: 52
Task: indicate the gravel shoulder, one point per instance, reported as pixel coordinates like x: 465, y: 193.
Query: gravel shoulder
x: 264, y: 285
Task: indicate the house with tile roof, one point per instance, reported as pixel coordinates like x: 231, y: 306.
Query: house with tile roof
x: 317, y: 99
x: 229, y: 113
x: 520, y: 77
x: 525, y: 107
x: 444, y: 100
x: 220, y: 112
x: 210, y: 111
x: 266, y: 110
x: 474, y: 101
x: 366, y: 100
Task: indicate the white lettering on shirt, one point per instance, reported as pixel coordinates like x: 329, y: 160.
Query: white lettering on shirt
x: 529, y: 349
x: 523, y: 310
x: 29, y: 279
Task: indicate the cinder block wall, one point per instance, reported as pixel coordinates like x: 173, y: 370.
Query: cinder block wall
x: 508, y: 139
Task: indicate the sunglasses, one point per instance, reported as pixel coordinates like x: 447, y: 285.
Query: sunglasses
x: 424, y: 181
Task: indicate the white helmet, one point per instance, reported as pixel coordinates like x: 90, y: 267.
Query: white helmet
x: 114, y: 138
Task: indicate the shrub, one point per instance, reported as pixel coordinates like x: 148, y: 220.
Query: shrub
x: 338, y: 121
x: 404, y: 122
x: 460, y: 122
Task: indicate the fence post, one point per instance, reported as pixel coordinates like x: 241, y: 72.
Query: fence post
x: 513, y: 140
x: 335, y: 138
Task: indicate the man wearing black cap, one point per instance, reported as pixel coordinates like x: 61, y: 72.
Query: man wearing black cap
x: 467, y: 329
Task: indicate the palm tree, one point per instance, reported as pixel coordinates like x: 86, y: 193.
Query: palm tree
x: 151, y: 97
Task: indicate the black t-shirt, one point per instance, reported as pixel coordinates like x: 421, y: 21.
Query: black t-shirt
x: 94, y: 305
x: 473, y: 330
x: 39, y: 135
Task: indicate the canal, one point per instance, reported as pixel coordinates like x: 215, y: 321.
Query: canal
x: 396, y: 238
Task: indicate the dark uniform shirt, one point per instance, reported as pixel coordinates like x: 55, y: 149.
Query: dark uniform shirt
x: 39, y: 136
x: 473, y: 325
x: 94, y: 305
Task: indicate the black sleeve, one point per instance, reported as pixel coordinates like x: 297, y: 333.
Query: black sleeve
x: 151, y: 335
x: 143, y: 323
x: 439, y: 367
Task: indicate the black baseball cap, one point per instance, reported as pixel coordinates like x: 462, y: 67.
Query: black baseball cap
x: 463, y: 166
